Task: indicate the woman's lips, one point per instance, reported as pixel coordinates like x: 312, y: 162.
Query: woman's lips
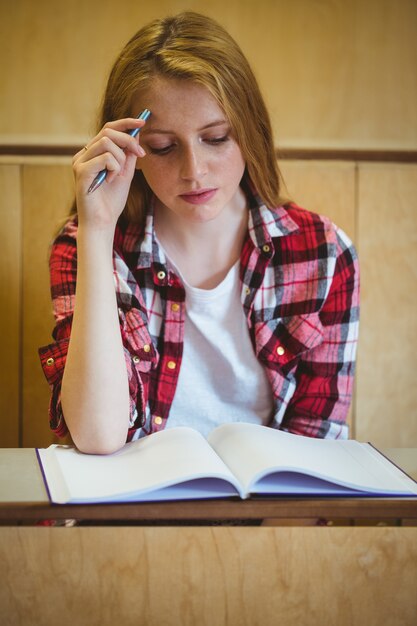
x: 201, y: 196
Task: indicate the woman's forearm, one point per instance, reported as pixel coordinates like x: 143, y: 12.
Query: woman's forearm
x: 95, y: 390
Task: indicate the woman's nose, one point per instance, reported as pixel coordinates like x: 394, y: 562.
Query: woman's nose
x: 193, y: 164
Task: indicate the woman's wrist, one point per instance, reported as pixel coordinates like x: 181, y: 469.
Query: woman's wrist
x: 91, y: 236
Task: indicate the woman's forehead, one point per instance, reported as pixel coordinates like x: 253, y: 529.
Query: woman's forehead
x: 178, y: 101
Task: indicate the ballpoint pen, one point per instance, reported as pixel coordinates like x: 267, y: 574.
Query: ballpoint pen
x: 101, y: 176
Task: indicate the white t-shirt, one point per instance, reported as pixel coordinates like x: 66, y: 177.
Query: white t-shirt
x: 220, y: 379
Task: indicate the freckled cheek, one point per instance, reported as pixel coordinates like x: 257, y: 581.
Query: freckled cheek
x: 234, y: 157
x: 234, y: 168
x: 154, y: 168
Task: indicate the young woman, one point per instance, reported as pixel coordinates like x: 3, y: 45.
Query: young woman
x: 185, y: 290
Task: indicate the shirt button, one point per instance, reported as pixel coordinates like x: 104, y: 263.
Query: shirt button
x: 247, y: 291
x: 146, y: 347
x: 161, y: 275
x: 266, y: 248
x: 280, y: 351
x: 50, y: 361
x: 175, y: 307
x: 136, y: 359
x: 158, y: 420
x: 171, y: 365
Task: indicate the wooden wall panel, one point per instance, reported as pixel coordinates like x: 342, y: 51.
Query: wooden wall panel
x: 10, y: 293
x: 387, y: 365
x: 47, y: 196
x: 334, y: 73
x: 325, y: 187
x: 208, y: 576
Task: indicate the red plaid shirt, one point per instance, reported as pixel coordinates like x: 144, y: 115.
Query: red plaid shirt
x: 299, y: 290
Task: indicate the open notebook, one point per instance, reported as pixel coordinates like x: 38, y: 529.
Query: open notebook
x: 239, y: 459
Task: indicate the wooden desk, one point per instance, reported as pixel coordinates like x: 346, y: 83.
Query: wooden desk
x: 23, y: 499
x: 298, y: 575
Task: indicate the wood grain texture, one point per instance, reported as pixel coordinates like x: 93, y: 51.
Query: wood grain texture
x: 208, y: 576
x: 296, y: 509
x: 387, y: 364
x: 325, y: 187
x: 47, y: 195
x: 334, y: 73
x: 31, y: 151
x: 10, y: 304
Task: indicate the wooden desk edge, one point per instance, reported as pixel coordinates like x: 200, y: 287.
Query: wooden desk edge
x: 282, y: 508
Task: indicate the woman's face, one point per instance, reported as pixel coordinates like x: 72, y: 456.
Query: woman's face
x: 193, y: 165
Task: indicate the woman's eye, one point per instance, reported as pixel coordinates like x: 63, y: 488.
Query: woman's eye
x: 216, y: 140
x: 162, y: 150
x: 167, y: 149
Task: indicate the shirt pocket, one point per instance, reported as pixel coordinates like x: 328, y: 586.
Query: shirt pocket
x: 281, y: 343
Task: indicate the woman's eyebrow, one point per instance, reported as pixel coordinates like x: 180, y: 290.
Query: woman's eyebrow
x: 163, y: 131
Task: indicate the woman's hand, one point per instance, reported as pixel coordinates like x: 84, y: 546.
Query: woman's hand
x: 117, y: 151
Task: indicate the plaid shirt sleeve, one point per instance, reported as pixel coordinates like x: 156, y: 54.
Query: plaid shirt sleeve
x: 63, y: 276
x: 324, y: 375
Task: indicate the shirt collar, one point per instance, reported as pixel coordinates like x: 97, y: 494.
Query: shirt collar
x: 142, y: 242
x: 265, y: 223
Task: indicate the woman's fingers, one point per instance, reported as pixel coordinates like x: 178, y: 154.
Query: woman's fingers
x: 111, y: 141
x: 125, y: 124
x: 117, y: 133
x: 109, y: 150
